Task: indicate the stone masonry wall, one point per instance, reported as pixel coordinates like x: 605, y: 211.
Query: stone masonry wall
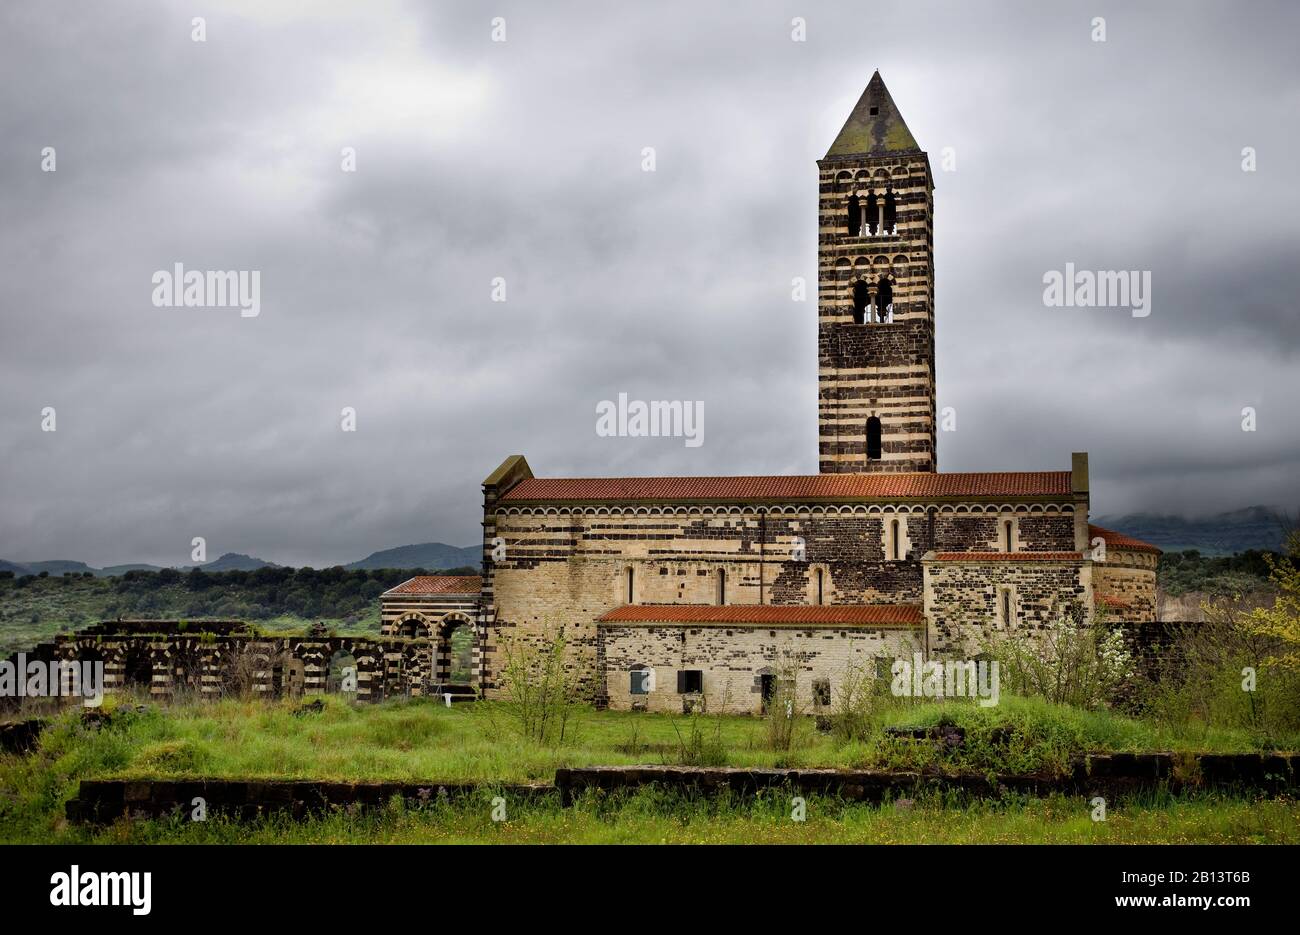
x: 964, y: 607
x: 569, y: 567
x: 733, y: 658
x: 882, y: 369
x: 1128, y: 578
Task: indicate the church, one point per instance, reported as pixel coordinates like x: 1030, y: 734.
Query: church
x: 681, y: 593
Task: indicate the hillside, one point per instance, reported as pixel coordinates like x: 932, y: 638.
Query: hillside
x: 432, y: 555
x: 1258, y: 527
x: 34, y: 609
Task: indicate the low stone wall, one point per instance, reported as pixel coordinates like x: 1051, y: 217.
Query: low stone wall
x: 1104, y: 774
x: 105, y: 800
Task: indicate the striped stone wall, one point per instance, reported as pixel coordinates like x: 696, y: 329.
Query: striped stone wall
x: 882, y: 369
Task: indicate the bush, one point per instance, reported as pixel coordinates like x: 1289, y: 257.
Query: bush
x: 538, y: 690
x: 1226, y: 672
x: 1069, y: 663
x: 700, y: 746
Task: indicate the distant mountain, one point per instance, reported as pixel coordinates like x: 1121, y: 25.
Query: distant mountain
x: 56, y: 568
x: 111, y: 570
x: 236, y: 561
x: 433, y: 556
x: 1256, y: 527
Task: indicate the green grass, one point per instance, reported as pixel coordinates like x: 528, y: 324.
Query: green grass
x: 651, y: 817
x: 421, y: 740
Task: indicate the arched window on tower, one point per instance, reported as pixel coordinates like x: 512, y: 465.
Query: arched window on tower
x: 631, y: 585
x: 861, y: 299
x: 855, y: 216
x: 884, y: 300
x: 1008, y: 537
x: 722, y: 587
x: 893, y: 540
x: 873, y: 213
x: 891, y: 213
x: 873, y: 439
x: 821, y: 587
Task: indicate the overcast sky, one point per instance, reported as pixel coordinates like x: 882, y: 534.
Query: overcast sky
x: 523, y: 160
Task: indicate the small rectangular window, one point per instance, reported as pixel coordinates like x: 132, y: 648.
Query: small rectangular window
x: 821, y: 692
x: 640, y: 681
x: 690, y: 681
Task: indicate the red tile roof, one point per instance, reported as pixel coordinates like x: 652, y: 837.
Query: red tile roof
x: 1008, y: 556
x: 794, y: 487
x: 838, y: 614
x: 1117, y: 540
x: 439, y: 584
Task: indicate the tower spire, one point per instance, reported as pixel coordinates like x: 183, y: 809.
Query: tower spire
x: 875, y: 127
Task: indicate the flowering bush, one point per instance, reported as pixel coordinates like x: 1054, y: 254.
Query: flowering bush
x: 1068, y: 663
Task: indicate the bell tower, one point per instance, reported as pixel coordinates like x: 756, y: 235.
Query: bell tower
x: 875, y: 295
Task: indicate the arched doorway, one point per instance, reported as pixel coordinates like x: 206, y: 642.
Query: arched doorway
x: 414, y: 626
x: 457, y: 653
x: 137, y: 668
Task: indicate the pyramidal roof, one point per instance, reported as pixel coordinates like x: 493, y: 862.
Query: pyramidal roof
x: 875, y: 127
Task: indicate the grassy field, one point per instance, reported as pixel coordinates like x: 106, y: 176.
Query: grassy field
x: 647, y: 818
x: 424, y: 741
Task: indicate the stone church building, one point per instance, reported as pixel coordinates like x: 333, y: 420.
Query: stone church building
x: 680, y: 592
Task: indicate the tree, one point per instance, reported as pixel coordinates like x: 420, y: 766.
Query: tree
x: 1281, y: 622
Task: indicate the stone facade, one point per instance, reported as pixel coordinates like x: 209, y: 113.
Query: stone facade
x: 972, y: 599
x: 739, y: 666
x: 433, y: 607
x: 207, y: 660
x: 1125, y: 585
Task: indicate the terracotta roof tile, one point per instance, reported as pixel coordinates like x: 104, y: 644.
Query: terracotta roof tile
x: 439, y: 584
x: 794, y: 487
x: 845, y: 614
x: 1007, y: 556
x: 1117, y: 540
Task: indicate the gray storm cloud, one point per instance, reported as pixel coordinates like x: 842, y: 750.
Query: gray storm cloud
x: 522, y: 160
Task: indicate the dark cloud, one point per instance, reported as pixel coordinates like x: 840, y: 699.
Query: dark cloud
x: 522, y: 160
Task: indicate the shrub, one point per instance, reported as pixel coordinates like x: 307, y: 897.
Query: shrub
x: 700, y: 746
x: 539, y: 692
x: 1069, y: 663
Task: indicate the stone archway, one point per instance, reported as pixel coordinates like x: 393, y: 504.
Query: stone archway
x: 413, y: 626
x: 457, y: 654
